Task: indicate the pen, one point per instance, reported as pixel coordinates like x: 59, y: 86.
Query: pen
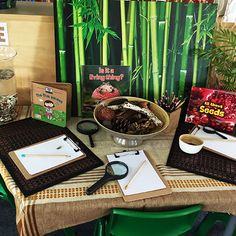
x: 135, y: 174
x: 45, y: 155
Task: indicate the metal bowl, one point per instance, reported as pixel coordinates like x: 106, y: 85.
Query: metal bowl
x: 130, y: 140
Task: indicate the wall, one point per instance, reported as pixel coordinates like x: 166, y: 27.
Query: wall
x: 31, y: 33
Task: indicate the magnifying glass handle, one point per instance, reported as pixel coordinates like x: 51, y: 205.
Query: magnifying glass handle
x: 91, y: 141
x: 97, y: 185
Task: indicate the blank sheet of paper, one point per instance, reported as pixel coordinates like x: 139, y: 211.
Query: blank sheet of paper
x: 221, y: 146
x: 147, y: 178
x: 36, y: 158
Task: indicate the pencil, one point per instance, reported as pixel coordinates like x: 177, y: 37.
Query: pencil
x: 135, y: 174
x: 45, y: 155
x: 215, y: 139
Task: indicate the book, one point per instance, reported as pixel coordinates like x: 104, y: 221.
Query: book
x: 143, y: 179
x: 103, y: 82
x: 51, y: 102
x: 45, y: 156
x: 213, y: 108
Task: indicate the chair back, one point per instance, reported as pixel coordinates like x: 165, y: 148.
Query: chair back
x: 5, y: 194
x: 124, y: 222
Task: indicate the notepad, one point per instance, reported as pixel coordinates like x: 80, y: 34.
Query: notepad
x: 45, y: 156
x: 147, y: 183
x: 214, y: 143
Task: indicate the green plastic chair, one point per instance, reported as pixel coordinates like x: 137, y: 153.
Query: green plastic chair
x: 122, y: 222
x: 7, y: 196
x: 211, y: 219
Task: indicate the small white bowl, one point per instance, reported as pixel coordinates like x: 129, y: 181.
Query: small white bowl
x: 190, y: 143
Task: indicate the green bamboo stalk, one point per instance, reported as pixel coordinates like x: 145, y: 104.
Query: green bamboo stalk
x: 62, y: 62
x: 136, y: 59
x: 81, y: 62
x: 147, y: 77
x: 10, y: 4
x: 123, y: 33
x: 155, y: 68
x: 165, y: 49
x: 196, y: 45
x: 131, y: 39
x: 187, y: 35
x: 77, y: 60
x: 128, y: 17
x: 161, y: 33
x: 143, y: 35
x: 105, y: 37
x: 61, y: 39
x: 174, y: 48
x: 81, y: 40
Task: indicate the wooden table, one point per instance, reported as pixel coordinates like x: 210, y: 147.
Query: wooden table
x: 66, y: 204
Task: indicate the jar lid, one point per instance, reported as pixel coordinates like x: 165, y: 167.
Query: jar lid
x: 7, y: 53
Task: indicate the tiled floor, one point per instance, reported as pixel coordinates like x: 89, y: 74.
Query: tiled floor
x: 8, y: 226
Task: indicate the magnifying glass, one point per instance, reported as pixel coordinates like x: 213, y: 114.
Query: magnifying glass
x: 88, y: 127
x: 210, y: 130
x: 114, y: 170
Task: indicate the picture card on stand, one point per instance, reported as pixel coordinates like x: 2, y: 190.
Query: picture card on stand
x: 213, y: 108
x: 103, y: 82
x: 51, y: 102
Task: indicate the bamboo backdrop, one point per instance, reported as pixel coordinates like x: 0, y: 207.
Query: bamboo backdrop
x: 157, y: 39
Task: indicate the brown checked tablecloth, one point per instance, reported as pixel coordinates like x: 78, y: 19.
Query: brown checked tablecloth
x: 66, y: 204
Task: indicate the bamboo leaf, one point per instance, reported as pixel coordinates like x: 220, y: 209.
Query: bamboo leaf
x: 89, y: 36
x: 136, y: 73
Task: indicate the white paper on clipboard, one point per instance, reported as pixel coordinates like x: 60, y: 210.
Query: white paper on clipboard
x: 40, y: 161
x: 224, y: 147
x: 147, y: 179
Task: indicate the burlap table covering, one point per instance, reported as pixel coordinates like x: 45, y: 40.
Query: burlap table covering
x: 66, y: 204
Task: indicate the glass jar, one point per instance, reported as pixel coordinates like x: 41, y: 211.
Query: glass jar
x: 8, y: 95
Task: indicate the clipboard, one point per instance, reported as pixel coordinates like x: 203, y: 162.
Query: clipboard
x: 42, y: 157
x: 149, y: 182
x: 26, y: 132
x: 213, y: 143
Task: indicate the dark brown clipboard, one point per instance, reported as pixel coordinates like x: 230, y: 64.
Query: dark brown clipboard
x: 22, y: 133
x: 24, y: 171
x: 149, y: 194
